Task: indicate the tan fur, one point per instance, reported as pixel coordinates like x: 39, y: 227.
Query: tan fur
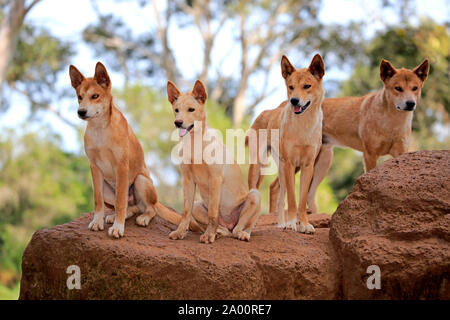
x: 119, y: 174
x: 227, y: 207
x: 376, y: 124
x: 300, y: 139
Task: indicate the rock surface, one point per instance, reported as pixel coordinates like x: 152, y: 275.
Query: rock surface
x: 397, y: 217
x: 145, y: 264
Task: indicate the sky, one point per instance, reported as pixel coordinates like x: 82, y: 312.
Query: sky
x: 66, y: 20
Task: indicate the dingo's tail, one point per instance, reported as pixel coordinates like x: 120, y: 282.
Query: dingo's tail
x: 174, y: 217
x: 168, y: 214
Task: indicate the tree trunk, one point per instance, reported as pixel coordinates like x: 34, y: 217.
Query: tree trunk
x: 239, y: 106
x: 9, y: 32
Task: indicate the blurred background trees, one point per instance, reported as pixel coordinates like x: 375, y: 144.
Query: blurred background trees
x: 238, y: 45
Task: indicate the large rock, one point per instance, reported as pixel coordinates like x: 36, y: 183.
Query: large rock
x: 397, y: 217
x: 145, y: 264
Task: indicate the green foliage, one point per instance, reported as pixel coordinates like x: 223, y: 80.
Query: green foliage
x: 7, y: 293
x: 346, y: 167
x: 40, y: 185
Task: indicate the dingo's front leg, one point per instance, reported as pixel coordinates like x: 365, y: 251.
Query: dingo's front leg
x: 289, y: 177
x: 215, y: 189
x: 146, y: 194
x: 398, y: 148
x: 118, y: 227
x: 305, y: 181
x: 370, y: 161
x: 249, y: 216
x: 189, y: 194
x: 99, y: 206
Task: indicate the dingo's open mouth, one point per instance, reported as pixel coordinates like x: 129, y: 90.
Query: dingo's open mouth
x: 182, y: 131
x: 301, y: 109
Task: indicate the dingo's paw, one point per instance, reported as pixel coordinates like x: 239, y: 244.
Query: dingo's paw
x: 222, y: 232
x: 177, y: 235
x: 292, y: 225
x: 143, y: 220
x: 281, y: 221
x: 308, y: 228
x: 242, y: 235
x: 110, y: 219
x: 117, y: 230
x: 97, y: 223
x: 208, y: 237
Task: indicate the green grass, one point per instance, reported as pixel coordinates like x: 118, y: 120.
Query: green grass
x: 9, y: 293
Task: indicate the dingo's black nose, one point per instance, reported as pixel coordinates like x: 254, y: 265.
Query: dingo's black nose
x: 178, y: 123
x: 410, y: 105
x: 82, y: 113
x: 295, y: 101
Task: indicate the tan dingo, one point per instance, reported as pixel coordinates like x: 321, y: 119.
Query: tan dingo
x: 299, y: 120
x: 119, y: 175
x: 227, y: 207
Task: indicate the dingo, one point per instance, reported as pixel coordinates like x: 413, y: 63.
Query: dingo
x: 119, y: 175
x: 300, y: 122
x: 227, y: 208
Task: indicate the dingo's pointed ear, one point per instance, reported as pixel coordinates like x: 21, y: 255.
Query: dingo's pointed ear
x: 386, y: 70
x: 172, y: 92
x: 422, y: 70
x: 317, y: 67
x: 199, y: 92
x: 76, y: 77
x: 286, y: 67
x: 101, y: 76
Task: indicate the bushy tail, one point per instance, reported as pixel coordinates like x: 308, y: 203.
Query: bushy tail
x: 168, y: 214
x: 174, y: 217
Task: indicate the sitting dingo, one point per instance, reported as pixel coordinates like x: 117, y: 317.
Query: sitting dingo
x: 227, y: 207
x: 300, y: 123
x: 119, y: 175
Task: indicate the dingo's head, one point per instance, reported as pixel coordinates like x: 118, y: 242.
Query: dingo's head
x: 403, y: 86
x: 189, y: 107
x: 304, y: 86
x: 94, y: 94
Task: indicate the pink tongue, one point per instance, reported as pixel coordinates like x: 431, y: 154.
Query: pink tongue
x: 182, y: 131
x: 297, y: 109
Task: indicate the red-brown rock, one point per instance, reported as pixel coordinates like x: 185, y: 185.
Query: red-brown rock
x: 397, y: 216
x: 145, y: 264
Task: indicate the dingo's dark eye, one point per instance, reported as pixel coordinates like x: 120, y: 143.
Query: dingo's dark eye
x: 306, y: 86
x: 191, y: 109
x: 94, y: 96
x: 291, y: 88
x: 414, y: 89
x: 80, y: 98
x: 176, y: 110
x: 399, y: 89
